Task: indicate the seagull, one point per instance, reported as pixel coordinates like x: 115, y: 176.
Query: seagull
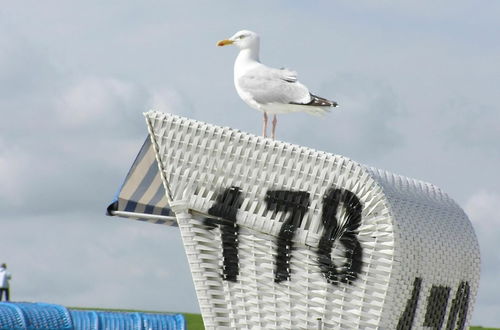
x: 272, y: 91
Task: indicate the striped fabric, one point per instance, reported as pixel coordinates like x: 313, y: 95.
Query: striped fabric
x: 142, y: 195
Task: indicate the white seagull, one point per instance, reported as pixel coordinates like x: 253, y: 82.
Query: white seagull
x: 270, y: 90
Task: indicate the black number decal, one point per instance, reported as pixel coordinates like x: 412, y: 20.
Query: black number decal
x: 296, y: 204
x: 459, y: 307
x: 436, y: 307
x: 406, y: 319
x: 226, y: 206
x: 347, y: 234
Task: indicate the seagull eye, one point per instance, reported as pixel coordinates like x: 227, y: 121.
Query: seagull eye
x: 242, y: 36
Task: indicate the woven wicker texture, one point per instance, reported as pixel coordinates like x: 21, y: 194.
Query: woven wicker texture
x: 301, y: 235
x: 434, y: 241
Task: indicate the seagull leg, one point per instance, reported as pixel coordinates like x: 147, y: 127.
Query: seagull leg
x: 275, y: 121
x: 264, y: 126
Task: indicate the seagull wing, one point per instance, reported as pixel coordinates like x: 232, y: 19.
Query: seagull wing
x: 267, y: 85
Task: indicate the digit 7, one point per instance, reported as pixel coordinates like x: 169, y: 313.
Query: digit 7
x: 295, y: 203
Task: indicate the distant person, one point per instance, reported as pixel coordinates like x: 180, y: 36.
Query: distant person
x: 5, y: 276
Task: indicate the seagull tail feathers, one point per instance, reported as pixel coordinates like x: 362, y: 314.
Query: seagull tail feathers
x: 318, y: 106
x: 321, y: 102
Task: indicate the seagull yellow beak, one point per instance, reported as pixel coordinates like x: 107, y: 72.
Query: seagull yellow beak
x: 225, y: 42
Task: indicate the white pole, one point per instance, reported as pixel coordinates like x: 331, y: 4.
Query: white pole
x: 143, y: 215
x: 320, y: 323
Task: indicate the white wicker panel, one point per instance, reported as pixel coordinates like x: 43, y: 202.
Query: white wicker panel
x: 200, y: 161
x: 434, y: 241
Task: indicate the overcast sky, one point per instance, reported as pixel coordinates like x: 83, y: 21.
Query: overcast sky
x: 417, y: 83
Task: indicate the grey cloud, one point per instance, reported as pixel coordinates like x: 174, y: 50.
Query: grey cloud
x: 481, y: 208
x: 72, y: 259
x: 64, y: 135
x: 369, y: 110
x: 474, y: 126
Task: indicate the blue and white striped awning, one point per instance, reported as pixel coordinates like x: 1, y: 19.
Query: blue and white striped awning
x: 142, y: 195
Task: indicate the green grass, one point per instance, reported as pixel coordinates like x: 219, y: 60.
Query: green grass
x: 481, y: 328
x: 194, y: 321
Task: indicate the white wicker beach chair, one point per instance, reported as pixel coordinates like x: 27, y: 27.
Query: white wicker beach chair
x: 280, y: 236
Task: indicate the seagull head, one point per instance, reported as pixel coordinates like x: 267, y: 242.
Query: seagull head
x: 243, y: 39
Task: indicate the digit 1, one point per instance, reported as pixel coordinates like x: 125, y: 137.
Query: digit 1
x: 406, y: 319
x: 295, y: 203
x: 226, y: 206
x: 347, y: 234
x: 459, y: 307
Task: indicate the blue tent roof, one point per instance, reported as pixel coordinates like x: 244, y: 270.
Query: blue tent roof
x: 93, y: 320
x: 32, y: 316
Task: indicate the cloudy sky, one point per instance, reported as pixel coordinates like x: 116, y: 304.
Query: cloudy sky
x: 417, y: 81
